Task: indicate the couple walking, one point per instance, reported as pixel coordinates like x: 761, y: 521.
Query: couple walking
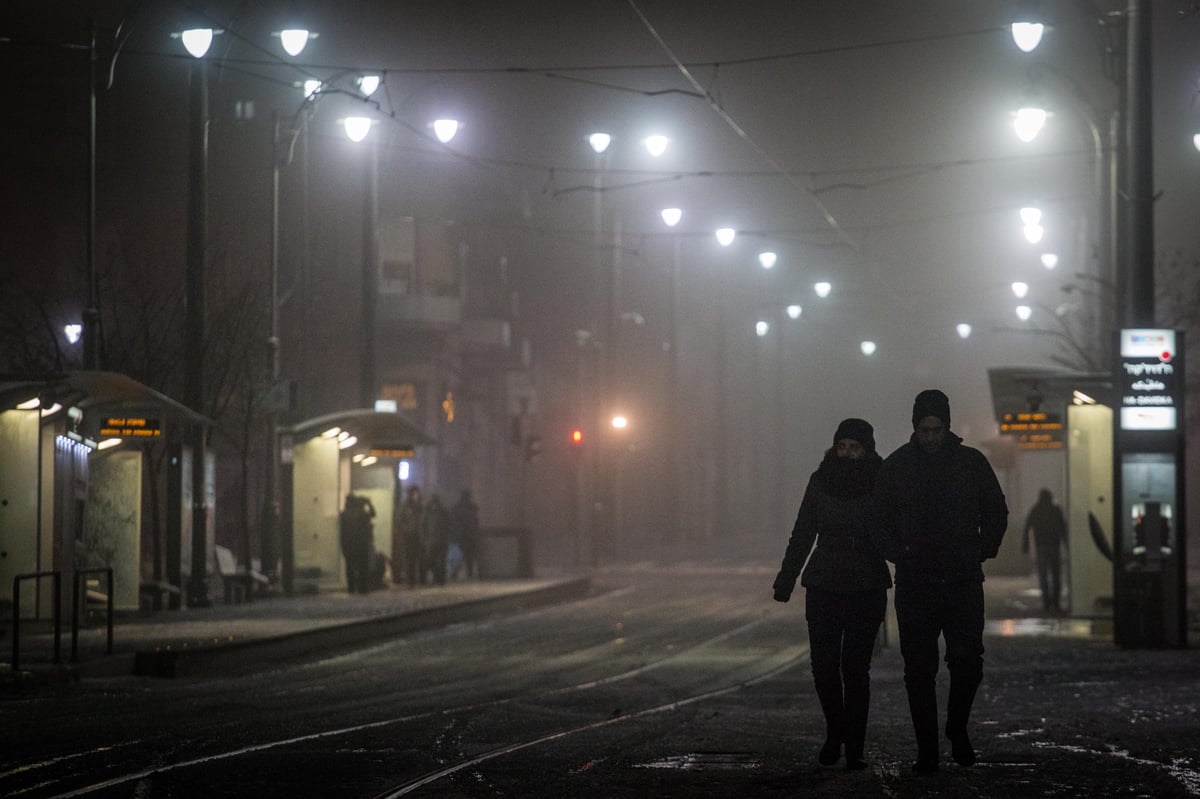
x: 933, y: 508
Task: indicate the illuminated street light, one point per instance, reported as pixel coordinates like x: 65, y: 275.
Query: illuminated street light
x: 73, y: 332
x: 1031, y: 215
x: 868, y: 348
x: 367, y: 84
x: 620, y: 422
x: 823, y: 288
x: 767, y: 259
x: 357, y: 128
x: 963, y: 329
x: 1024, y: 312
x: 671, y: 216
x: 311, y: 87
x: 725, y: 236
x: 1027, y: 35
x: 762, y: 327
x: 197, y: 40
x: 1049, y: 260
x: 1034, y: 233
x: 656, y: 145
x: 793, y: 311
x: 1028, y: 122
x: 294, y: 40
x: 1020, y: 289
x: 445, y: 129
x: 599, y: 142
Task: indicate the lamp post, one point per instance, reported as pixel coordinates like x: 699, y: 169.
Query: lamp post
x: 357, y: 129
x: 671, y: 218
x: 197, y: 41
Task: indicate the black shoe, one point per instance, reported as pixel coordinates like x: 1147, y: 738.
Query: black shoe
x: 925, y: 765
x: 960, y: 747
x: 830, y: 752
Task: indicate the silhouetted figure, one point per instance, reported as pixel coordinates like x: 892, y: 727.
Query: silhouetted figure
x: 464, y: 531
x: 846, y: 582
x: 410, y: 552
x: 355, y: 532
x: 435, y: 539
x: 939, y: 514
x: 1049, y: 537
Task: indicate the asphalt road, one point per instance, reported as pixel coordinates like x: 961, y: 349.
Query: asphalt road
x: 679, y: 683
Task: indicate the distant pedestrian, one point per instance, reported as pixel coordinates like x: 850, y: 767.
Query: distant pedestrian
x: 846, y: 582
x: 939, y: 513
x: 464, y: 531
x: 1049, y: 537
x: 355, y: 530
x: 435, y: 539
x: 410, y: 553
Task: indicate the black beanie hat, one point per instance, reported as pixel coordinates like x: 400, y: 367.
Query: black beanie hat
x: 858, y: 430
x: 931, y: 402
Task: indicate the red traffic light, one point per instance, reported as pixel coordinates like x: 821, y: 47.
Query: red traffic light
x: 577, y: 436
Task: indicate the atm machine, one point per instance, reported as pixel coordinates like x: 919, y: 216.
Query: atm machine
x: 1150, y: 562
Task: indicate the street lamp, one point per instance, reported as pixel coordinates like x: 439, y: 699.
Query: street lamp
x: 197, y: 41
x: 1028, y: 122
x: 656, y: 145
x: 767, y: 259
x: 357, y: 129
x: 1020, y: 289
x: 725, y: 236
x: 445, y: 129
x: 868, y: 348
x: 762, y: 327
x: 963, y: 329
x: 823, y: 288
x: 671, y: 217
x: 1049, y: 260
x: 1027, y: 35
x: 1024, y: 312
x: 294, y: 40
x: 794, y: 311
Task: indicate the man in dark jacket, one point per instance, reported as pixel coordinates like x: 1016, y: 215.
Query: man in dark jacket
x: 940, y: 513
x: 1049, y: 536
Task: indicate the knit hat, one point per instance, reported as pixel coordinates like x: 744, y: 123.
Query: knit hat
x: 858, y: 430
x: 931, y: 402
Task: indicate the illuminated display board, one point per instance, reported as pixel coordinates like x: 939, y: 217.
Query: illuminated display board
x: 130, y: 427
x: 1034, y: 430
x: 393, y: 452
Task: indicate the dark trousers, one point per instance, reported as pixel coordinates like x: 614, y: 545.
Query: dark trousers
x: 924, y: 612
x: 841, y: 634
x: 1049, y: 567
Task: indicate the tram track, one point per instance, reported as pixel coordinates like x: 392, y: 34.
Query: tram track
x: 744, y: 672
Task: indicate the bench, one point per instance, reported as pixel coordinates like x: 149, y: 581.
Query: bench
x: 240, y: 584
x: 152, y: 595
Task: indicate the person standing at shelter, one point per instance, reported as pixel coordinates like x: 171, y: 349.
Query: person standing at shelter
x: 464, y: 525
x: 412, y: 512
x: 355, y: 529
x: 846, y: 582
x: 1049, y: 537
x: 435, y: 539
x: 939, y: 513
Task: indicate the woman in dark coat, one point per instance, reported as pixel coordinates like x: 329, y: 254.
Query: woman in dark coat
x: 846, y: 582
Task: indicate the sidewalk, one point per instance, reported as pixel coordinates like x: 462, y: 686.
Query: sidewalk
x: 252, y: 635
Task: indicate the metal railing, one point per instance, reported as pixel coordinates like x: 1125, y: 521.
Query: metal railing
x: 80, y: 575
x: 16, y: 605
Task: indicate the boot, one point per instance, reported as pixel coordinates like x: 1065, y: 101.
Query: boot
x: 829, y: 692
x: 855, y: 713
x: 962, y: 696
x: 922, y: 706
